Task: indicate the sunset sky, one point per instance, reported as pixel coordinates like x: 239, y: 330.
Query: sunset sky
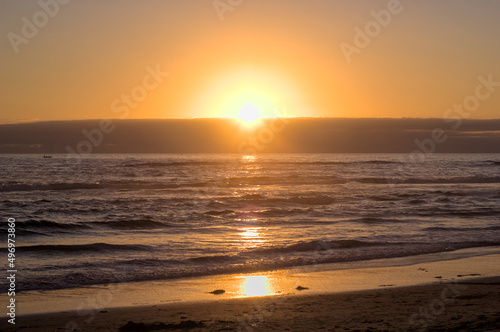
x: 273, y: 54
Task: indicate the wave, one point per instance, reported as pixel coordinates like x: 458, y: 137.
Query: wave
x: 253, y: 180
x: 336, y: 162
x: 127, y: 185
x: 46, y: 224
x: 130, y: 270
x: 383, y: 198
x: 453, y: 180
x: 23, y: 232
x: 213, y: 259
x: 448, y: 180
x: 286, y: 256
x: 43, y: 201
x: 450, y: 193
x: 151, y: 262
x: 20, y: 186
x: 268, y: 162
x: 131, y: 224
x: 375, y: 220
x: 332, y: 180
x: 321, y: 199
x: 171, y: 163
x: 276, y: 212
x: 99, y: 247
x: 269, y: 212
x: 301, y: 247
x: 238, y: 181
x: 490, y: 162
x: 468, y: 213
x: 462, y: 229
x: 318, y: 245
x: 312, y: 200
x: 218, y: 212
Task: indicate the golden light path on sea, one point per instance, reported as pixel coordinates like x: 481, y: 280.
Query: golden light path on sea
x: 250, y: 237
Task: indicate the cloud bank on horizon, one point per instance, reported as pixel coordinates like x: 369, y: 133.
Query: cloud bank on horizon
x: 279, y: 135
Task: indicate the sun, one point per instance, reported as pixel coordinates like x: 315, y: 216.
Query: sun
x: 249, y: 115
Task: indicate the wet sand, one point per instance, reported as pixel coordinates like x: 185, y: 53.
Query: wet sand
x: 450, y: 295
x: 470, y: 305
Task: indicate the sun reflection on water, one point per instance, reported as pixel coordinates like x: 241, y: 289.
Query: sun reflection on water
x: 251, y: 237
x: 248, y: 158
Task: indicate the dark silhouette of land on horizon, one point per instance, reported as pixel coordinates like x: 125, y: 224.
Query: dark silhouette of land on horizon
x: 286, y: 135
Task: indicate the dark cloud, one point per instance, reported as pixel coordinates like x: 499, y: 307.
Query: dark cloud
x: 228, y: 136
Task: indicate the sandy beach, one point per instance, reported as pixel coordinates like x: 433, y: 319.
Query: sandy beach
x: 472, y: 305
x: 426, y: 296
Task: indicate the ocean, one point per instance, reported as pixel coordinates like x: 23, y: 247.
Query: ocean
x: 136, y: 217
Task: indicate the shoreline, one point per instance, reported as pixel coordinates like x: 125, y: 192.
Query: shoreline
x: 356, y: 276
x: 471, y: 305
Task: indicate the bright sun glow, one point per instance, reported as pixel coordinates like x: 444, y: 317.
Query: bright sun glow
x: 248, y: 95
x: 249, y: 114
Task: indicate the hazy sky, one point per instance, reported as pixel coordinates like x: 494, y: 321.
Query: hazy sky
x: 84, y: 61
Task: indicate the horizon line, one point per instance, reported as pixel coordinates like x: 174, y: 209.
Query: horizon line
x: 236, y: 119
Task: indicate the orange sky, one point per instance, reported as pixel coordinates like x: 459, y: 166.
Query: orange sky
x: 277, y: 54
